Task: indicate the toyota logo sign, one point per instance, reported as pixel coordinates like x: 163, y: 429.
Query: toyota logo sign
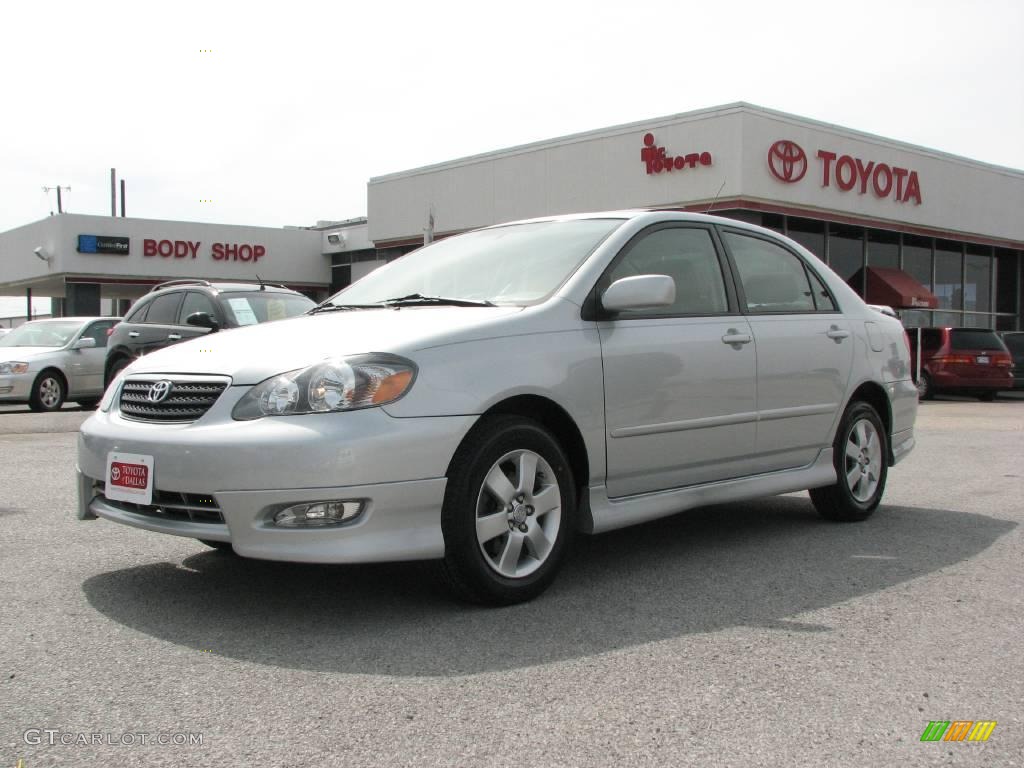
x: 159, y: 391
x: 787, y: 161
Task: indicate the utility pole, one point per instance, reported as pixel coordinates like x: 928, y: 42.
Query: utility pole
x: 60, y: 207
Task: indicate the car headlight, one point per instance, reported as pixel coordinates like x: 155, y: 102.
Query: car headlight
x: 337, y: 384
x: 13, y: 367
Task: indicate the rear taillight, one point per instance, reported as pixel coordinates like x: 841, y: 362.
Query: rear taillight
x: 954, y: 359
x: 1001, y: 360
x: 110, y: 331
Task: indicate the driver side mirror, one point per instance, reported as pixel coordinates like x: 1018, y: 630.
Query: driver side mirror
x: 639, y: 292
x: 86, y: 342
x: 203, y: 320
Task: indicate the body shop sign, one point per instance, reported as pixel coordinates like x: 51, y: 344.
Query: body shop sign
x: 190, y: 249
x: 788, y: 163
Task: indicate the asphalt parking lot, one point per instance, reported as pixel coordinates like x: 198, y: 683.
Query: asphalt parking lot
x: 739, y: 635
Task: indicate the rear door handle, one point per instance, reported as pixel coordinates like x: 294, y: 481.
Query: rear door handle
x: 735, y: 337
x: 133, y: 334
x: 837, y: 333
x: 174, y: 336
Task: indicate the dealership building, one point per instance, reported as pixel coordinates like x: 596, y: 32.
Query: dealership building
x: 938, y: 237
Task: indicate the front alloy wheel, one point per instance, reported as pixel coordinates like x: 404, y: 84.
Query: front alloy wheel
x: 518, y: 513
x: 47, y: 392
x: 508, y: 511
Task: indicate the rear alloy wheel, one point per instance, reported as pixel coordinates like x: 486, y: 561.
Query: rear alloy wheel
x: 860, y: 453
x: 47, y: 392
x: 507, y: 515
x: 924, y: 387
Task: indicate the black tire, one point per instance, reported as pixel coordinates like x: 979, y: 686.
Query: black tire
x: 839, y: 502
x: 925, y: 391
x: 48, y: 391
x: 471, y: 568
x: 220, y: 546
x: 116, y: 367
x: 987, y: 397
x: 89, y: 405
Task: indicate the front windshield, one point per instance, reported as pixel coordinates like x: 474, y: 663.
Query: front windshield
x: 515, y: 264
x: 41, y: 334
x: 251, y: 307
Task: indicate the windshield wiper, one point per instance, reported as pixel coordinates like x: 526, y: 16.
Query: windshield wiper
x: 341, y: 307
x: 418, y: 299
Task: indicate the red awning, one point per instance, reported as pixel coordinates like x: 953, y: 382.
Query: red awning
x: 897, y: 289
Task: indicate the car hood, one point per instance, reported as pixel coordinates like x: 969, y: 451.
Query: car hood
x: 251, y: 354
x: 24, y: 353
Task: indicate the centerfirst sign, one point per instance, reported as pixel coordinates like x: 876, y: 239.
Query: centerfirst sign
x: 117, y: 246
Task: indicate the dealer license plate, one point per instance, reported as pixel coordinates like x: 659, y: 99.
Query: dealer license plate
x: 129, y: 478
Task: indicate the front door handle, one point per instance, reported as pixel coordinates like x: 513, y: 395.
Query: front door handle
x: 733, y: 336
x: 837, y: 333
x: 174, y: 336
x: 133, y: 334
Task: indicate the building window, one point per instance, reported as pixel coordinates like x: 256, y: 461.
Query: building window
x: 917, y: 259
x: 1006, y: 281
x: 883, y: 249
x: 978, y: 282
x: 846, y: 251
x: 949, y: 263
x: 774, y: 221
x: 915, y: 318
x: 810, y: 234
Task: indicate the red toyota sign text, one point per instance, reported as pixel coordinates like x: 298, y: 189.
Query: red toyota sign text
x: 787, y: 162
x: 658, y: 160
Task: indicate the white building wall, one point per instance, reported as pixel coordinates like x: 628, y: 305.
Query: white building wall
x: 602, y: 170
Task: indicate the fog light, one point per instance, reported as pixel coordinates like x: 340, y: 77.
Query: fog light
x: 319, y: 514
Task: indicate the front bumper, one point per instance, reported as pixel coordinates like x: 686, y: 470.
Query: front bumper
x: 16, y: 387
x: 252, y: 469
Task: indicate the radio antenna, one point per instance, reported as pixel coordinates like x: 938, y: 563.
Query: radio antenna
x: 716, y: 197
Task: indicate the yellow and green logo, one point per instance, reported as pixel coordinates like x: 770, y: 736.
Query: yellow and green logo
x: 958, y: 730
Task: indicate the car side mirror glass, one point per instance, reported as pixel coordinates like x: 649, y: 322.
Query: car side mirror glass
x: 639, y: 292
x: 202, y: 320
x: 86, y: 342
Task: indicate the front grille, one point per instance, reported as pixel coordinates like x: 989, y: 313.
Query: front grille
x: 170, y: 505
x: 187, y: 401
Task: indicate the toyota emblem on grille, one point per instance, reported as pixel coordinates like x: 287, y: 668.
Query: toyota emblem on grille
x: 159, y: 391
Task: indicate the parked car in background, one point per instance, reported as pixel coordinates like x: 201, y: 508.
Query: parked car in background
x: 185, y: 309
x: 483, y: 399
x: 964, y: 361
x: 1014, y: 341
x: 46, y: 362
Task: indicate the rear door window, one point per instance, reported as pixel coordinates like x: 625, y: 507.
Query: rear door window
x: 164, y: 309
x: 774, y: 280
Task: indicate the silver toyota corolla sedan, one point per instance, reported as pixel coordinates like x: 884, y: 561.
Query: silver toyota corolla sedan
x: 482, y: 400
x: 45, y: 362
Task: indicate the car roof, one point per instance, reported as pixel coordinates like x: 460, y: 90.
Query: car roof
x: 69, y: 319
x: 217, y: 287
x: 654, y: 217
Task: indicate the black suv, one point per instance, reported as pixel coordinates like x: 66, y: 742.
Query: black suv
x: 184, y: 309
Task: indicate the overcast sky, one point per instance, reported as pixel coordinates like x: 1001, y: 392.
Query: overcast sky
x: 295, y: 105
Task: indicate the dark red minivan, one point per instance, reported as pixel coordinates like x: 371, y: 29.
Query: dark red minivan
x: 964, y: 361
